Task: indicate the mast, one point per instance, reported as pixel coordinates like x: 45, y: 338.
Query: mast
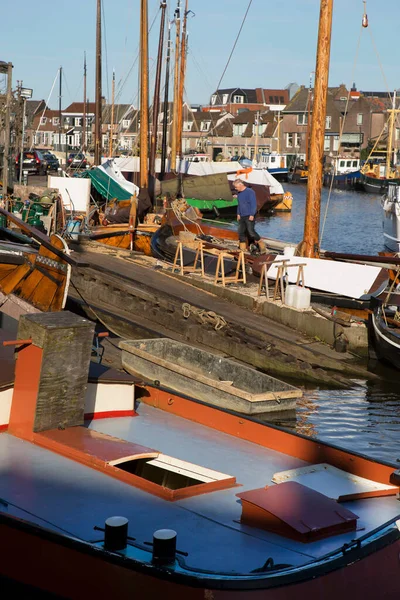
x: 181, y: 84
x: 176, y: 87
x: 144, y: 96
x: 165, y: 109
x: 310, y: 245
x: 279, y: 133
x: 156, y: 99
x: 257, y: 120
x: 98, y: 123
x: 389, y: 149
x: 7, y: 68
x: 84, y: 104
x: 112, y: 114
x: 308, y: 121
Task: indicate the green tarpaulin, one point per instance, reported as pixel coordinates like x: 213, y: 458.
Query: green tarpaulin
x: 106, y: 186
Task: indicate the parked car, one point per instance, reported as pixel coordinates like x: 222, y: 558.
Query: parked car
x: 53, y: 163
x: 77, y: 160
x: 33, y: 161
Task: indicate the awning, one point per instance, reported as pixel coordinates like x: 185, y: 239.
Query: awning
x: 105, y: 185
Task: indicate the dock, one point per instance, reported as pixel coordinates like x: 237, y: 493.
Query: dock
x: 136, y: 296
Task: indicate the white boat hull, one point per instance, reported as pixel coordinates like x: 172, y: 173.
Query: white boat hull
x: 391, y: 223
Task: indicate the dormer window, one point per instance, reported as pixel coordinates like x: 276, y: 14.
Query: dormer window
x: 239, y: 128
x: 205, y: 126
x: 238, y: 99
x: 125, y: 123
x: 213, y: 98
x: 328, y: 122
x: 43, y: 120
x: 187, y: 125
x: 56, y: 120
x: 259, y: 129
x: 224, y: 98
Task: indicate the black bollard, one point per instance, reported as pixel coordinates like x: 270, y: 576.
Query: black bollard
x: 116, y: 533
x: 164, y: 546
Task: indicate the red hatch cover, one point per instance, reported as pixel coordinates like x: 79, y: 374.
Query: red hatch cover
x: 296, y: 511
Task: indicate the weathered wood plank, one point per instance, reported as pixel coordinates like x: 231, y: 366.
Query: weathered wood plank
x: 66, y: 341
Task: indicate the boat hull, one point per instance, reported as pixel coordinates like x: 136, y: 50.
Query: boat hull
x: 376, y: 185
x: 171, y: 364
x: 391, y: 224
x: 80, y: 570
x: 384, y: 342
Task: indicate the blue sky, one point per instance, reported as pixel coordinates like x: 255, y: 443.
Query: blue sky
x: 277, y: 45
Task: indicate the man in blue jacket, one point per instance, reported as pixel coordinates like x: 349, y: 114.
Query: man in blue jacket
x: 246, y: 212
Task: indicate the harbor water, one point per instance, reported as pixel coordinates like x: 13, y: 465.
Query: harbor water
x: 365, y: 418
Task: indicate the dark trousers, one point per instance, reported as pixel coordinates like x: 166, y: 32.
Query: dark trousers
x: 246, y: 230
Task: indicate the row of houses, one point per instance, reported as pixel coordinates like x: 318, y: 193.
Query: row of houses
x: 237, y: 122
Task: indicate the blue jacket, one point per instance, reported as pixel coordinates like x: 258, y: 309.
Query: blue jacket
x: 247, y: 204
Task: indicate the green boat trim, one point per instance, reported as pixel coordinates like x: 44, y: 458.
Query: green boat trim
x: 210, y: 204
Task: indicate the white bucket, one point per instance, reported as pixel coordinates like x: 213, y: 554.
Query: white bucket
x: 301, y: 297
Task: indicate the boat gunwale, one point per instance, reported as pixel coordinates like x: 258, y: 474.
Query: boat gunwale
x: 344, y: 556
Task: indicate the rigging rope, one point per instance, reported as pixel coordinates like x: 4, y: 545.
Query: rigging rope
x: 204, y: 316
x: 234, y: 45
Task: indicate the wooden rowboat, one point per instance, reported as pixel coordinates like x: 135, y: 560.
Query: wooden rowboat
x: 189, y: 370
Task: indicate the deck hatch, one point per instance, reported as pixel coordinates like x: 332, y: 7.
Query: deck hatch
x: 295, y: 511
x: 335, y: 483
x: 171, y: 477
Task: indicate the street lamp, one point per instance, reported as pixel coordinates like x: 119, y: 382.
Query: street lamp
x: 25, y: 94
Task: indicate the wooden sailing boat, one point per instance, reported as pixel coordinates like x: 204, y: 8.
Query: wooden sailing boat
x: 129, y: 234
x: 34, y: 271
x: 376, y: 174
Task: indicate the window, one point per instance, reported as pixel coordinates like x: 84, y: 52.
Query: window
x: 355, y: 163
x: 187, y: 125
x: 397, y: 134
x: 125, y: 123
x: 289, y: 140
x: 328, y: 122
x: 239, y: 128
x: 261, y: 128
x: 213, y: 98
x: 78, y: 121
x: 238, y: 99
x: 302, y: 119
x: 281, y: 100
x: 43, y: 120
x: 56, y: 120
x: 335, y: 143
x: 359, y: 119
x: 67, y: 120
x: 327, y: 143
x: 205, y: 126
x: 224, y: 98
x: 297, y: 139
x: 341, y: 163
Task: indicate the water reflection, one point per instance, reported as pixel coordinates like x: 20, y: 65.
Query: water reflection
x: 365, y: 418
x: 342, y: 231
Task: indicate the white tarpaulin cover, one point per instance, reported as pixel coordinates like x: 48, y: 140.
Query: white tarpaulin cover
x: 342, y: 278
